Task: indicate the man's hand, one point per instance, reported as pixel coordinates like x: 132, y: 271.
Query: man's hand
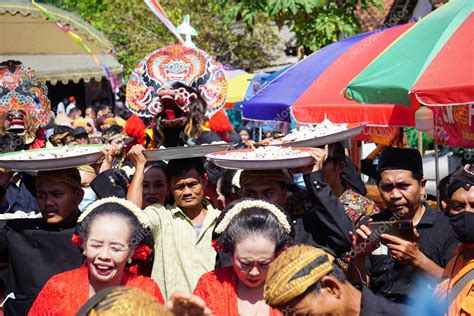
x: 362, y: 242
x: 187, y: 305
x: 404, y: 251
x: 109, y: 152
x: 136, y: 155
x: 319, y: 155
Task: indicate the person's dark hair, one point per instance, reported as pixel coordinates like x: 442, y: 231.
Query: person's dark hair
x: 156, y: 164
x: 139, y: 234
x: 102, y: 107
x: 337, y: 272
x: 253, y: 221
x: 443, y: 190
x: 113, y: 130
x: 197, y: 110
x: 179, y: 167
x: 336, y: 152
x: 10, y: 142
x: 234, y: 138
x: 61, y: 129
x: 225, y: 186
x: 207, y: 138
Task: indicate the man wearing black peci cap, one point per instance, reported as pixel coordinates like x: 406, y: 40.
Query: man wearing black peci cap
x: 392, y: 268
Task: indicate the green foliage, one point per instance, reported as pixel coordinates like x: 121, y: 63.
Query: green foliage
x: 316, y: 23
x: 135, y: 31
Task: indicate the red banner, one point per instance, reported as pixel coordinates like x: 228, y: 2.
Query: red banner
x: 389, y: 136
x: 454, y: 125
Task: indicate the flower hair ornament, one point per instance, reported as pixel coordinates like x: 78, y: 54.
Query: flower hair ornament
x: 239, y: 207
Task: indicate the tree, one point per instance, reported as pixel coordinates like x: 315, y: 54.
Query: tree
x: 316, y: 23
x: 135, y: 31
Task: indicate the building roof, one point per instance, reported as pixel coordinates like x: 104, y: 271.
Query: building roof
x: 28, y: 35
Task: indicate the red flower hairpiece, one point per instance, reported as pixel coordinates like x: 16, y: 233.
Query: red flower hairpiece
x: 142, y: 252
x: 76, y: 240
x: 217, y: 246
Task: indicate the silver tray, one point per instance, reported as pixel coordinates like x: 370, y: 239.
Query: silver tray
x: 49, y: 164
x: 352, y: 131
x: 222, y: 160
x: 183, y: 152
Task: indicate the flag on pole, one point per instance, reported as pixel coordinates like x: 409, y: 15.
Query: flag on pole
x: 156, y: 8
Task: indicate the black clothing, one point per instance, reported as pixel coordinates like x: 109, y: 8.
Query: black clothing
x: 36, y: 251
x: 372, y: 305
x: 395, y: 280
x: 351, y: 177
x: 20, y: 199
x: 327, y: 225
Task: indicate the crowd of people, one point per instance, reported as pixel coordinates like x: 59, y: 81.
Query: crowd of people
x: 186, y: 237
x: 261, y: 247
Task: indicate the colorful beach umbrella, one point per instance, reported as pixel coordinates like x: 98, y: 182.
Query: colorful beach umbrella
x: 237, y: 88
x: 432, y: 63
x: 311, y: 89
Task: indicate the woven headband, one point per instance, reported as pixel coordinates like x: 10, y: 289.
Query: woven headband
x: 239, y: 207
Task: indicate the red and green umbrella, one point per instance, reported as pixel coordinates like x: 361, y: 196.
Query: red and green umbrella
x: 431, y: 63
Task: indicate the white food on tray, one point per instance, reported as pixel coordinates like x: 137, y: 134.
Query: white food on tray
x: 19, y: 214
x: 60, y: 152
x: 324, y: 128
x: 264, y: 153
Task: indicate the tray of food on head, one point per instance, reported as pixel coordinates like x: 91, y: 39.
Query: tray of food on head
x: 51, y: 158
x: 263, y: 158
x: 184, y: 152
x: 319, y: 135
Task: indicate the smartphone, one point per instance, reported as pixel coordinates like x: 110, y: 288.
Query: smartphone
x: 401, y: 228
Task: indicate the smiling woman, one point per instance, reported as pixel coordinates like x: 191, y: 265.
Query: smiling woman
x: 113, y: 235
x: 253, y: 232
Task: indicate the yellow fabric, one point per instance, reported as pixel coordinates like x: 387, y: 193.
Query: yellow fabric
x: 283, y: 284
x: 128, y: 301
x: 110, y: 121
x: 87, y: 168
x: 79, y: 123
x: 180, y: 256
x: 237, y: 87
x: 463, y: 304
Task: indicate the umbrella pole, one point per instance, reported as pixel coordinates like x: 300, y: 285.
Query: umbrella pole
x: 420, y: 142
x: 437, y: 173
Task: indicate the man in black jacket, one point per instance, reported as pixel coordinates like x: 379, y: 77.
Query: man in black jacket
x: 392, y: 266
x: 37, y: 249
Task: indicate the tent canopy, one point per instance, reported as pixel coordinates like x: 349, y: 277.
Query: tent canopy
x: 28, y: 36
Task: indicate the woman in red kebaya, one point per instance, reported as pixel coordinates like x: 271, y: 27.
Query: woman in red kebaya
x: 113, y: 235
x: 253, y: 232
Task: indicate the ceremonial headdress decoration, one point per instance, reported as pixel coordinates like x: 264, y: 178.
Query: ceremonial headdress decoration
x: 246, y: 204
x: 161, y: 70
x: 21, y: 91
x: 135, y: 210
x: 294, y: 271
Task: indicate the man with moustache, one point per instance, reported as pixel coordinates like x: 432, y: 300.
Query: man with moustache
x: 37, y: 249
x: 392, y: 267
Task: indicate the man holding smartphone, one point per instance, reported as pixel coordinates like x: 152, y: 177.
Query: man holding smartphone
x: 391, y: 266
